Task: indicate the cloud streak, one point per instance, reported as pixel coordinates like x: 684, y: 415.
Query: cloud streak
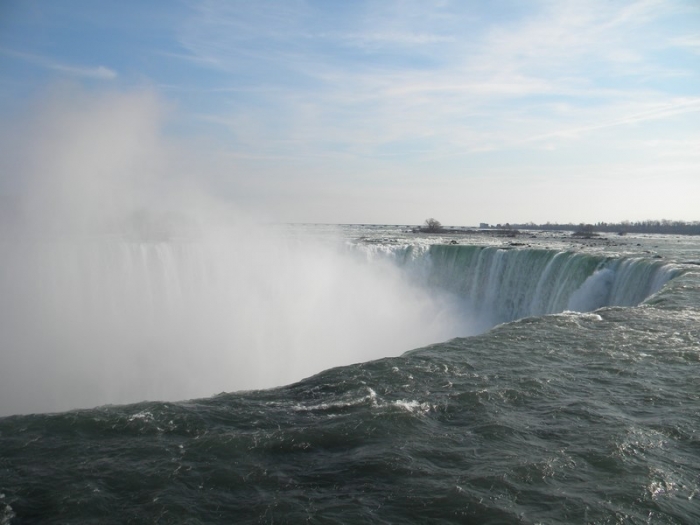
x: 306, y: 100
x: 96, y: 73
x: 444, y: 81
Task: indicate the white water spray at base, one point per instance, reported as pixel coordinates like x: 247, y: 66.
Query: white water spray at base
x: 94, y: 321
x: 122, y: 278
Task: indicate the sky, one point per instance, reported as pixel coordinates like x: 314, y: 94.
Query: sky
x: 368, y: 111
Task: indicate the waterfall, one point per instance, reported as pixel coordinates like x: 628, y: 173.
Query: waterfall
x: 507, y: 284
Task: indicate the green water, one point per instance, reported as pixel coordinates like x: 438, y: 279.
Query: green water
x: 562, y: 418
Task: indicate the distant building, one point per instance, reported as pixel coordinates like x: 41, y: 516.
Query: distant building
x: 483, y: 225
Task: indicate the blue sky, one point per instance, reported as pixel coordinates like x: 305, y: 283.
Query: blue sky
x: 387, y: 111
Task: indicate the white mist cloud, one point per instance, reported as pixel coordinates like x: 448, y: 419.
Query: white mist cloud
x: 88, y: 159
x: 123, y: 279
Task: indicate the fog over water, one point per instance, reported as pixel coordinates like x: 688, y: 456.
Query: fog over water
x: 123, y: 279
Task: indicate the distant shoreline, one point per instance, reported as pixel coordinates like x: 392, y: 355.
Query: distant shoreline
x: 620, y: 228
x: 579, y: 230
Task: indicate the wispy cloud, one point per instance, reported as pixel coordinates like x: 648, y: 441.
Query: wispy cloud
x: 98, y: 72
x: 383, y: 39
x: 652, y: 112
x: 409, y: 71
x: 410, y: 95
x: 689, y: 42
x: 188, y: 57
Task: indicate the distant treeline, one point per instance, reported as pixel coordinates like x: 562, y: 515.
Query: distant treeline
x: 662, y: 226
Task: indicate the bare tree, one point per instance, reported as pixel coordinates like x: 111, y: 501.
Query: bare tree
x: 432, y: 226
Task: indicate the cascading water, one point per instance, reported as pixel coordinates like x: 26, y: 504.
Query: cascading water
x: 498, y: 285
x: 108, y: 319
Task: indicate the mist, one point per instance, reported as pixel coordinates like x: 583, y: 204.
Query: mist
x: 124, y: 278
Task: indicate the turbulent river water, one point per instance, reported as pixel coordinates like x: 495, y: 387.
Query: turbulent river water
x: 560, y: 386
